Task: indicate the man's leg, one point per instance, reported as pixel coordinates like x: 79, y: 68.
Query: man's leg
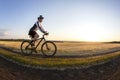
x: 34, y: 39
x: 36, y: 36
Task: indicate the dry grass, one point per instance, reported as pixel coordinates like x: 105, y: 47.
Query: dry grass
x: 13, y: 44
x: 74, y: 48
x: 83, y: 47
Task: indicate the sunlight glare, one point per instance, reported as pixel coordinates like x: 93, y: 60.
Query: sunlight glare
x: 92, y: 32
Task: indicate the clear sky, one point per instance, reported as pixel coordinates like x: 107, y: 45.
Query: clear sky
x: 73, y: 20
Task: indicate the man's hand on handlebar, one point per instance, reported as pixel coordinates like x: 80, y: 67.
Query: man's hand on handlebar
x: 46, y: 33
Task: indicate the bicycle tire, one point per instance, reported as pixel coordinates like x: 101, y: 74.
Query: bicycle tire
x: 48, y: 43
x: 24, y: 51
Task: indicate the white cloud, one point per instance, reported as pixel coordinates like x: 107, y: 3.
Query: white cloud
x: 4, y: 33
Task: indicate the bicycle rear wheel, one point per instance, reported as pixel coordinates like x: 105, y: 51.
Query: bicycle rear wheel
x: 26, y: 48
x: 48, y: 49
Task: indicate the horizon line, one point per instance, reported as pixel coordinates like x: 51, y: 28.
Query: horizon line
x: 59, y: 40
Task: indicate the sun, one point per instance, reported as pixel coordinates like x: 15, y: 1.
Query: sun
x: 91, y: 36
x: 92, y: 33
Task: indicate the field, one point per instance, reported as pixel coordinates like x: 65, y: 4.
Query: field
x: 73, y: 48
x: 68, y: 54
x: 73, y: 61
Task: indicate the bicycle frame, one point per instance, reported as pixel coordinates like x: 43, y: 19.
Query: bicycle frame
x: 41, y: 39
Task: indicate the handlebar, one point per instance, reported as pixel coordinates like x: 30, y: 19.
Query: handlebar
x: 45, y: 34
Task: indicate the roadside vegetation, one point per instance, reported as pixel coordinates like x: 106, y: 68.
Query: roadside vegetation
x: 57, y: 62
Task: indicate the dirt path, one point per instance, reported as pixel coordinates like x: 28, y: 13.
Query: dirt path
x: 108, y: 71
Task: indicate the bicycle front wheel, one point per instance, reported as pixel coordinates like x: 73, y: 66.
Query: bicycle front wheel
x: 26, y: 48
x: 48, y: 49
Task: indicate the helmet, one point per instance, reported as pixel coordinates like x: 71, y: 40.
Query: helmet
x: 40, y: 17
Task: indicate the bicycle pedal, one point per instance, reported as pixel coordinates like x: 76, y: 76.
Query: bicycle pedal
x: 35, y: 51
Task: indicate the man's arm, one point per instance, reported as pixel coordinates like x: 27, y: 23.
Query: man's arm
x: 41, y: 28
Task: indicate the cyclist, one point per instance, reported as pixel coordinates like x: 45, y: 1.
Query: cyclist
x: 37, y: 26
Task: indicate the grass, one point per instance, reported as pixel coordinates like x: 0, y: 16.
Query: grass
x: 57, y: 62
x: 70, y: 47
x: 63, y: 47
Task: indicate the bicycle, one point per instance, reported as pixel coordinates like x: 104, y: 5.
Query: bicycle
x: 48, y: 48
